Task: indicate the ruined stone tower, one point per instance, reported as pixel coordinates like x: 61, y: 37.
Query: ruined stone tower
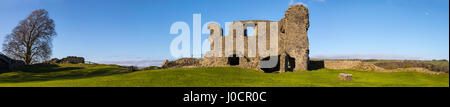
x: 290, y: 33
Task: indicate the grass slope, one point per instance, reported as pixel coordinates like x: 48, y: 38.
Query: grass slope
x: 235, y: 77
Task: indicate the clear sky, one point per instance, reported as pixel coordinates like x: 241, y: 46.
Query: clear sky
x: 136, y: 32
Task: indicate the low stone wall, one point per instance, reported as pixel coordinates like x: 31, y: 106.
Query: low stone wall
x: 330, y: 64
x: 181, y: 63
x: 72, y: 59
x: 69, y: 59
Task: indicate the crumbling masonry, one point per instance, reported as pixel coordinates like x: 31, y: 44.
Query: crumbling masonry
x: 293, y: 45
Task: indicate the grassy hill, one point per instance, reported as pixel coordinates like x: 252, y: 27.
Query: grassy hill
x: 85, y: 75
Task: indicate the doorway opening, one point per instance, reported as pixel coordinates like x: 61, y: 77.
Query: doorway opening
x: 290, y: 63
x: 233, y: 60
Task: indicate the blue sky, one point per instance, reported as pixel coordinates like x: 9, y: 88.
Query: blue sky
x: 136, y: 32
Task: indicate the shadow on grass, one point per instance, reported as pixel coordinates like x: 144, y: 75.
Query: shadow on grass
x: 45, y: 68
x: 46, y: 72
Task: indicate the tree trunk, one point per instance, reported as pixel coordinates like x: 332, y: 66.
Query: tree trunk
x: 28, y: 56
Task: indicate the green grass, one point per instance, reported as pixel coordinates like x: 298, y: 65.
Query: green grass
x: 217, y: 77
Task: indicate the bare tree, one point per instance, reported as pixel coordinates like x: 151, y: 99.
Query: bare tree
x: 31, y: 40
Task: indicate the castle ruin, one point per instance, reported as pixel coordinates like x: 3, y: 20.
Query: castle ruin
x: 292, y: 38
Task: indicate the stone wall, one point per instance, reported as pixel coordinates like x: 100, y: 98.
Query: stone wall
x: 341, y: 64
x: 72, y: 59
x: 68, y: 59
x: 181, y: 63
